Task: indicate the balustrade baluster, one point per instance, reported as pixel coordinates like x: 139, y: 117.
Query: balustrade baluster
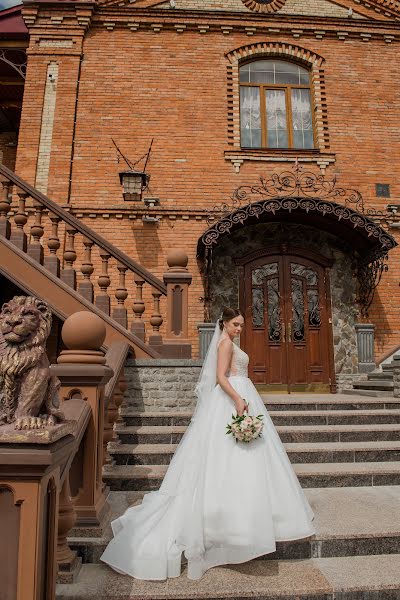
x: 121, y: 294
x: 66, y: 558
x: 18, y: 235
x: 108, y: 431
x: 87, y: 268
x: 52, y: 262
x: 68, y: 273
x: 156, y: 321
x: 138, y: 327
x: 35, y: 248
x: 103, y: 299
x: 119, y: 396
x: 5, y: 204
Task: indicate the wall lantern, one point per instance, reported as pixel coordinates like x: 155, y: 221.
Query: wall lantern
x: 133, y: 183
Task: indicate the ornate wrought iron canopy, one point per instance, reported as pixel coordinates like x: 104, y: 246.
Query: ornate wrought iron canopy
x: 305, y: 197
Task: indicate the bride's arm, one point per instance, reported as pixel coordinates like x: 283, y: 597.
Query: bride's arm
x: 224, y: 359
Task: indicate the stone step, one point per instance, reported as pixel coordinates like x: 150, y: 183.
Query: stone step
x: 172, y: 434
x: 384, y: 385
x: 342, y: 529
x: 369, y: 393
x: 329, y: 452
x: 387, y: 366
x: 149, y: 477
x: 304, y: 417
x: 273, y: 403
x: 379, y: 375
x: 339, y: 578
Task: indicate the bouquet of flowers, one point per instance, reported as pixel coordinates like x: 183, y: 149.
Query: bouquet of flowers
x: 245, y: 428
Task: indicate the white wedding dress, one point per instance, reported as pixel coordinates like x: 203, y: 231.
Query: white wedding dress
x: 221, y: 501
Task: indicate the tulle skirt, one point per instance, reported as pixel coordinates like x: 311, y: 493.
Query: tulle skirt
x: 220, y: 502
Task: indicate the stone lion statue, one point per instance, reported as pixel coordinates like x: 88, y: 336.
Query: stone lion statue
x: 28, y: 393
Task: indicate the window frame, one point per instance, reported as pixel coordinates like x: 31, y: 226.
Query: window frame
x: 288, y: 98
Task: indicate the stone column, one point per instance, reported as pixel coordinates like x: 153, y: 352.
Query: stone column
x: 206, y: 331
x: 32, y: 464
x: 84, y: 374
x: 365, y: 345
x: 177, y: 279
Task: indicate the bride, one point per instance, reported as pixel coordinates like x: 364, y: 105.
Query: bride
x: 221, y: 501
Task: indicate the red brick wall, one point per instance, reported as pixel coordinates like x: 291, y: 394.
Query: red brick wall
x: 173, y: 88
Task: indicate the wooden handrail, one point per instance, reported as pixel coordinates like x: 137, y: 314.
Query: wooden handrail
x: 83, y: 229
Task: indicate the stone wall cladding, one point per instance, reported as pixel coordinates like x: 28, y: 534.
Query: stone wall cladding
x: 166, y: 384
x: 169, y: 385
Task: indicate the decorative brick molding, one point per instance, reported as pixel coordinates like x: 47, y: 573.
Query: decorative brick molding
x: 264, y: 5
x: 46, y: 133
x: 309, y: 59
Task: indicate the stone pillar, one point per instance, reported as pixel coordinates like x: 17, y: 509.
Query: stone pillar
x: 206, y: 331
x: 396, y: 375
x: 365, y: 345
x: 32, y: 464
x: 84, y: 374
x: 177, y: 279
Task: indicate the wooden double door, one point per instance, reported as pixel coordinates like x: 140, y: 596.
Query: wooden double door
x: 288, y: 323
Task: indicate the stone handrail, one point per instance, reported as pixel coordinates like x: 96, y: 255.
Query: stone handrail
x: 114, y: 392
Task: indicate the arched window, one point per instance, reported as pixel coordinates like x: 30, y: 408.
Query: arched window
x: 275, y: 105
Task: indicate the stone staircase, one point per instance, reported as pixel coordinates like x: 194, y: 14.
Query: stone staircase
x: 378, y: 383
x: 346, y: 453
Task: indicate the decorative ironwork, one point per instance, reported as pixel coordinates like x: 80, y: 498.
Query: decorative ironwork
x: 302, y: 271
x: 309, y: 205
x: 258, y: 307
x: 259, y: 274
x: 274, y: 310
x: 298, y: 310
x: 305, y: 191
x: 16, y: 58
x: 370, y: 271
x: 296, y: 183
x: 314, y: 313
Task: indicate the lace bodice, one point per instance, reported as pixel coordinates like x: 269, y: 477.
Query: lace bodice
x: 240, y: 362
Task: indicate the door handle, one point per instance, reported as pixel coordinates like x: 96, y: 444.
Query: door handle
x: 290, y: 331
x: 283, y: 332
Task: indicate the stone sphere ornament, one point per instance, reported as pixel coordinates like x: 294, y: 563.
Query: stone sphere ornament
x: 177, y: 259
x: 83, y: 330
x: 264, y: 5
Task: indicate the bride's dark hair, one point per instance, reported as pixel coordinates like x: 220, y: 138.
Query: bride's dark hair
x: 227, y: 315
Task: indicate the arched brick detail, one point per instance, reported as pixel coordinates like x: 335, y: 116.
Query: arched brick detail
x: 309, y: 59
x: 272, y: 6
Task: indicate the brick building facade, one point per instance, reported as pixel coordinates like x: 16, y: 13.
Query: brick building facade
x: 170, y: 72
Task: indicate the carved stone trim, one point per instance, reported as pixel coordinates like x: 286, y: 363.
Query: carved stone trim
x: 238, y: 157
x: 267, y: 6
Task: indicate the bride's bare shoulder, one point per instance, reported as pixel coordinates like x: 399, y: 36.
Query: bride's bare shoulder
x: 224, y: 344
